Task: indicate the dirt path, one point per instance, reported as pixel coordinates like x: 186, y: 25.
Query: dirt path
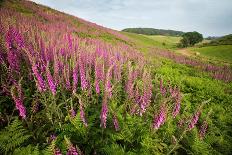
x: 185, y: 52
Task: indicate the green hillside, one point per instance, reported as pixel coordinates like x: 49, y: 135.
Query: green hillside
x: 152, y: 31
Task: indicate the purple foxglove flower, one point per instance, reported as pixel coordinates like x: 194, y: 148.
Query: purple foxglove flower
x: 75, y: 79
x: 104, y: 112
x: 84, y: 84
x: 115, y: 121
x: 39, y: 79
x: 72, y: 112
x: 72, y: 150
x: 19, y: 101
x: 20, y: 107
x: 160, y: 118
x: 194, y: 120
x: 13, y: 59
x: 97, y: 87
x: 51, y: 82
x: 162, y: 88
x: 57, y: 151
x: 176, y: 109
x: 203, y: 129
x: 108, y: 87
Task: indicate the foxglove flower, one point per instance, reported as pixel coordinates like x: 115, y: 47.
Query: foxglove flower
x: 162, y: 88
x: 104, y: 112
x: 57, y: 151
x: 18, y: 99
x: 72, y: 112
x: 176, y: 109
x: 84, y: 83
x: 160, y: 118
x: 39, y: 79
x: 203, y: 129
x: 194, y: 120
x: 72, y: 150
x: 51, y: 82
x: 115, y: 121
x: 75, y: 79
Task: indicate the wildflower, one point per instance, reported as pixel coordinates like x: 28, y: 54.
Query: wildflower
x: 115, y: 121
x: 147, y: 94
x: 39, y: 79
x: 194, y: 120
x: 162, y: 88
x: 57, y: 151
x: 18, y: 99
x: 75, y: 79
x: 108, y: 87
x: 84, y: 83
x: 203, y: 129
x: 72, y: 112
x: 51, y: 83
x: 72, y: 150
x: 160, y: 118
x: 104, y: 112
x: 176, y: 109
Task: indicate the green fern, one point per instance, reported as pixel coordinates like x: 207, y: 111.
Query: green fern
x: 28, y: 150
x: 13, y: 136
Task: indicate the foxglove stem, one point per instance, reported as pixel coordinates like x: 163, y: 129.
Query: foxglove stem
x: 203, y: 129
x: 82, y: 114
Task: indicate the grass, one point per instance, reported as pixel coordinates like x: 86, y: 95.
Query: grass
x: 166, y: 42
x: 221, y: 52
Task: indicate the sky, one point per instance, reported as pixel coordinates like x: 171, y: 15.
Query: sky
x: 209, y: 17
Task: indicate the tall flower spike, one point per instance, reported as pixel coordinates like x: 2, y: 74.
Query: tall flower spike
x: 194, y: 120
x: 72, y: 150
x: 203, y: 129
x: 84, y: 83
x: 18, y: 99
x: 104, y: 112
x: 50, y: 80
x: 115, y: 121
x: 160, y: 118
x: 82, y: 114
x: 75, y: 79
x: 176, y: 109
x: 39, y: 79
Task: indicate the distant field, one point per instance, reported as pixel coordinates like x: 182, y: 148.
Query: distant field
x: 222, y: 52
x: 169, y: 42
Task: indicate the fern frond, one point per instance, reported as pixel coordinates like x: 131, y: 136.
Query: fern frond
x: 13, y: 136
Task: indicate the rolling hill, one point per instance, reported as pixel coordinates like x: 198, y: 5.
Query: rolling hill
x: 153, y: 31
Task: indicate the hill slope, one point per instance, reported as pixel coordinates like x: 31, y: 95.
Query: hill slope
x: 68, y: 86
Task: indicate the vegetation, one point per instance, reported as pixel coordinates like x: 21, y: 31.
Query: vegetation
x: 69, y: 86
x: 225, y: 40
x: 220, y: 52
x: 152, y: 31
x: 190, y: 39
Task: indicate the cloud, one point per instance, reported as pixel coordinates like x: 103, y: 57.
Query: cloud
x: 210, y: 17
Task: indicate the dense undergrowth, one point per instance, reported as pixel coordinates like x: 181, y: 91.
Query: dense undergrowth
x: 72, y: 87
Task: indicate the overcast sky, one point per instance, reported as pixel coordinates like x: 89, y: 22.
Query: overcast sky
x: 209, y: 17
